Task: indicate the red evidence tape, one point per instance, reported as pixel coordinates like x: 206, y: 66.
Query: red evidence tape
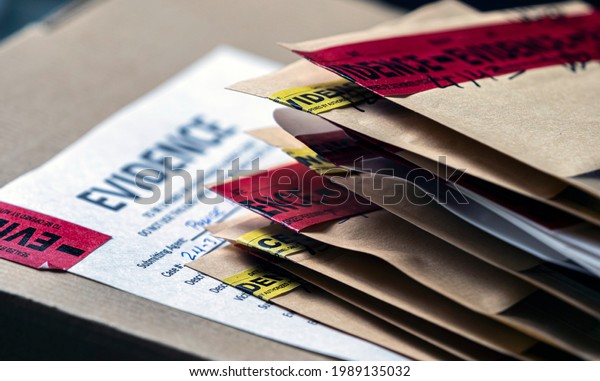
x: 411, y: 64
x: 294, y: 196
x: 44, y: 242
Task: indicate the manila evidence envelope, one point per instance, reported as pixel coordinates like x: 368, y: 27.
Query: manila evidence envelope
x: 382, y: 190
x: 438, y: 221
x: 372, y: 275
x: 445, y: 339
x: 545, y: 117
x: 416, y: 136
x: 489, y: 291
x: 256, y: 277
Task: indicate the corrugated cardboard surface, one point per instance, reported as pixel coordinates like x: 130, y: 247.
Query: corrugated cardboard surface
x: 59, y: 80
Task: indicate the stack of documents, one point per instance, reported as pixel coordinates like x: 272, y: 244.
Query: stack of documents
x: 442, y: 198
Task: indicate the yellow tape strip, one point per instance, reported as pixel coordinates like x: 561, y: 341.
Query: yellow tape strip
x: 312, y: 160
x: 323, y: 96
x: 261, y: 283
x: 279, y: 241
x: 271, y: 239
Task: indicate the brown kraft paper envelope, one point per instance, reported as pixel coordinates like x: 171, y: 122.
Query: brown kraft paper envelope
x: 576, y: 334
x: 322, y: 307
x: 366, y: 273
x: 440, y: 337
x: 545, y: 139
x: 403, y: 128
x: 421, y: 138
x: 422, y: 257
x: 446, y: 340
x: 425, y: 142
x: 573, y: 330
x: 441, y: 223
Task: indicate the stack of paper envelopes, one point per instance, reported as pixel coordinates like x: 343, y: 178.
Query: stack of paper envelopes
x: 442, y: 198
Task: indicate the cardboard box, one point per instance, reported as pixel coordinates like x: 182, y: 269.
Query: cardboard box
x: 61, y: 78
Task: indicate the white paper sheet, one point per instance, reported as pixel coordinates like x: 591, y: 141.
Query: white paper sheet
x: 139, y: 133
